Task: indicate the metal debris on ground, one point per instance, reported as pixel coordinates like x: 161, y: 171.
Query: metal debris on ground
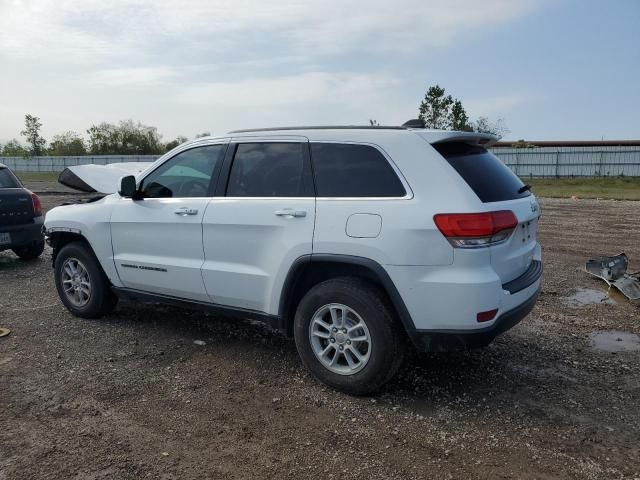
x: 613, y: 270
x: 4, y: 332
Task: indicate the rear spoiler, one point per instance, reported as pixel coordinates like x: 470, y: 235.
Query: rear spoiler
x: 446, y: 136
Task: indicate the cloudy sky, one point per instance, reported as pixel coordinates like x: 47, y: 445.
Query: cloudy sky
x: 552, y: 69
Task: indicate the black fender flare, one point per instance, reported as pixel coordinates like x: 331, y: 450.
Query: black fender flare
x: 372, y: 266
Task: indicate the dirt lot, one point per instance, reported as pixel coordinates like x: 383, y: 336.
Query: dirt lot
x: 132, y: 396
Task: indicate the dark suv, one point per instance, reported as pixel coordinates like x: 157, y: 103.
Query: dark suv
x: 21, y: 217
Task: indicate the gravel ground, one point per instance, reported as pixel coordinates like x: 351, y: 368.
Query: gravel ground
x: 132, y: 396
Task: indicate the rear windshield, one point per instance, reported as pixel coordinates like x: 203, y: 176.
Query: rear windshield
x: 7, y: 180
x: 487, y: 176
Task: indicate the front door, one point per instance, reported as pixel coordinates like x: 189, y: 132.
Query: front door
x: 264, y: 222
x: 157, y: 241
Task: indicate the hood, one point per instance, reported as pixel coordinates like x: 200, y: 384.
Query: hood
x: 100, y: 178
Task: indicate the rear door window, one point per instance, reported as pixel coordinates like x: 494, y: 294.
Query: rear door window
x: 268, y: 170
x: 488, y: 177
x: 351, y: 170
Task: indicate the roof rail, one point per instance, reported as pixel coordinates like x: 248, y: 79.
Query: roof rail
x: 321, y: 127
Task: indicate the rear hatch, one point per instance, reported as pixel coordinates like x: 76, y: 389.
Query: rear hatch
x: 16, y: 206
x: 500, y: 189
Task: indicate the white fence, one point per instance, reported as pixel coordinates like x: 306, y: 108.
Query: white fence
x: 525, y: 162
x: 57, y: 164
x: 572, y: 161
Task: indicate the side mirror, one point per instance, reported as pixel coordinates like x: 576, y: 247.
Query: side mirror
x: 128, y: 187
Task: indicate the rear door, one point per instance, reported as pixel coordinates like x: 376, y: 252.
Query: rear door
x: 261, y: 225
x: 499, y: 189
x: 157, y: 241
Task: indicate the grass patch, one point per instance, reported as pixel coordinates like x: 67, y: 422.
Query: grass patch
x: 28, y: 177
x: 617, y: 188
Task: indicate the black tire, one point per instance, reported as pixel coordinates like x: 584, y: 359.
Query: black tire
x: 101, y: 300
x: 387, y: 342
x: 31, y: 252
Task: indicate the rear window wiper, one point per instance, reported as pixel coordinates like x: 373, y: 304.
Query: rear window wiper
x: 524, y: 188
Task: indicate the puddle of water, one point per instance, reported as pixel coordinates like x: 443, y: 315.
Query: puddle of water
x: 588, y: 296
x: 615, y: 341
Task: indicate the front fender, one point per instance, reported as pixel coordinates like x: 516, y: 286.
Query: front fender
x: 91, y: 221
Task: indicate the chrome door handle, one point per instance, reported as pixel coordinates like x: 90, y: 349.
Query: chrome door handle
x: 290, y: 213
x: 184, y: 211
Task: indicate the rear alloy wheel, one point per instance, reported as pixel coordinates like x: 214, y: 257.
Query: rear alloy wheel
x: 82, y: 285
x: 340, y: 339
x: 346, y: 334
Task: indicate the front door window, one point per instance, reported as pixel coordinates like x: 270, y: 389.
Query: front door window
x: 188, y: 174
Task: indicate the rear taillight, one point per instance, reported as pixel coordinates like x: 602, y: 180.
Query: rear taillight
x: 37, y: 206
x: 473, y: 230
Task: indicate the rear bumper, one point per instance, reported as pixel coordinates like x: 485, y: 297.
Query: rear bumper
x: 439, y: 305
x: 450, y: 340
x: 533, y: 273
x: 23, y: 235
x: 442, y: 298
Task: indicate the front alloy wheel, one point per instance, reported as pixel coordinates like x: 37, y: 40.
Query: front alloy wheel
x: 76, y: 282
x: 82, y: 285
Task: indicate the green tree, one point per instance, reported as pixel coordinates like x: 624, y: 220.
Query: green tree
x: 443, y: 112
x: 179, y: 140
x: 435, y: 109
x: 68, y: 143
x: 522, y: 143
x: 203, y: 134
x: 459, y: 118
x: 484, y: 125
x: 125, y: 138
x: 13, y: 149
x: 31, y: 132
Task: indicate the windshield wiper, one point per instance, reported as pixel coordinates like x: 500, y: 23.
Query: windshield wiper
x: 524, y: 188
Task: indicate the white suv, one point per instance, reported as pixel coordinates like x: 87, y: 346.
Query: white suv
x: 357, y: 241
